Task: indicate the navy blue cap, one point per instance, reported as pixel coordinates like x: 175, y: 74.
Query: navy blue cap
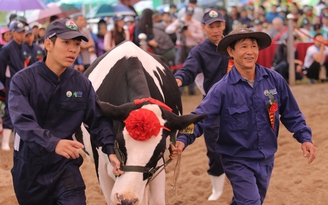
x: 306, y: 22
x: 28, y: 30
x: 16, y: 26
x: 212, y: 16
x: 257, y: 22
x: 64, y: 29
x: 189, y: 10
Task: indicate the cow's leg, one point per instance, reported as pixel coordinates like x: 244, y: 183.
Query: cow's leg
x: 157, y: 189
x: 106, y: 176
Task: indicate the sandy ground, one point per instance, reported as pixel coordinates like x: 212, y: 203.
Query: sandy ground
x: 293, y: 181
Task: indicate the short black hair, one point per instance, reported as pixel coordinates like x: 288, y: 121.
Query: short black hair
x: 318, y: 34
x: 193, y: 1
x: 173, y: 6
x: 12, y: 17
x: 53, y: 18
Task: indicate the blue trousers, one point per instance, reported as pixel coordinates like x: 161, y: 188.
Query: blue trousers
x: 36, y: 184
x: 249, y: 179
x: 6, y: 118
x: 211, y: 135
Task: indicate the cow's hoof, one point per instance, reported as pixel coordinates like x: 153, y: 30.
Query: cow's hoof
x: 121, y: 200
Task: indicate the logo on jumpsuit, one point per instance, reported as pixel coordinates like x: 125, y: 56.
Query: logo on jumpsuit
x: 69, y: 94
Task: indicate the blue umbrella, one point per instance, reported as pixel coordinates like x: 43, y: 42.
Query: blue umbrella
x: 109, y: 10
x: 209, y: 3
x: 21, y: 5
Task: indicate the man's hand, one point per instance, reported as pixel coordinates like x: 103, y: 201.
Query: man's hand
x: 175, y: 151
x: 116, y: 165
x: 179, y: 82
x: 308, y: 151
x: 153, y: 43
x: 187, y: 32
x: 68, y: 148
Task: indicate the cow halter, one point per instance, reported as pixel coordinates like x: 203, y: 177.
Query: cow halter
x: 150, y: 171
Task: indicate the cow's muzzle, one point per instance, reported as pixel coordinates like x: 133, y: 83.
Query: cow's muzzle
x: 121, y: 200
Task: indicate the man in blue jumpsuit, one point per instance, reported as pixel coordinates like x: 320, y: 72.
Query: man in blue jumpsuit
x: 11, y: 61
x: 249, y: 101
x: 208, y: 67
x: 47, y: 103
x: 33, y: 52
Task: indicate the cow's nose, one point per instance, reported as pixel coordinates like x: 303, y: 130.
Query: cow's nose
x: 121, y: 200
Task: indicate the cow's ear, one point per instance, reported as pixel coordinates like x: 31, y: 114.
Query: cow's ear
x: 114, y: 112
x: 176, y: 122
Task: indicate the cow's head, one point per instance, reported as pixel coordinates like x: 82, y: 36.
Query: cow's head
x: 142, y: 139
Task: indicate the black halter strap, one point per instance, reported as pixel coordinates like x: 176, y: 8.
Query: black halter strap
x: 147, y: 170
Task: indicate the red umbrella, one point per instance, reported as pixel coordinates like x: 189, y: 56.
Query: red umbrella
x: 54, y: 8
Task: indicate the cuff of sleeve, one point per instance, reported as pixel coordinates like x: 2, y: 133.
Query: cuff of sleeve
x: 184, y: 139
x: 108, y: 149
x: 52, y: 143
x: 304, y: 137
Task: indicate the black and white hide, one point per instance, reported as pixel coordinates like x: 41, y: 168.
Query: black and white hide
x: 138, y: 91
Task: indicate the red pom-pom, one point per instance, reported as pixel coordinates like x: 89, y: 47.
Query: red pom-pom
x: 142, y: 124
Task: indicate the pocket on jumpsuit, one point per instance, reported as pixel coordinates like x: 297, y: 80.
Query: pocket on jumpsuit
x: 238, y: 118
x: 69, y: 114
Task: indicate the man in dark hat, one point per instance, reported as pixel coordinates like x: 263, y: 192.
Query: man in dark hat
x: 47, y: 103
x: 249, y: 101
x: 11, y: 61
x: 33, y: 51
x: 208, y: 67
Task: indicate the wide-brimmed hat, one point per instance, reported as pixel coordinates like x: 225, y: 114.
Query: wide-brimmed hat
x: 263, y: 39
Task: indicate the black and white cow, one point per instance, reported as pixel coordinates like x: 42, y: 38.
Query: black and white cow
x: 131, y: 84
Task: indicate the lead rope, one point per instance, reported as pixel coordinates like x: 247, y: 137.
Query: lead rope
x: 176, y: 174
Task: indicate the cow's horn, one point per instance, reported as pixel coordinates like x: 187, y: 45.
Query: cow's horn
x: 181, y: 122
x: 119, y: 112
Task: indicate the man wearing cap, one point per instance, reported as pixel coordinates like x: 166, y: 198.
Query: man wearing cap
x: 208, y: 67
x: 324, y: 29
x: 34, y: 51
x: 305, y: 32
x: 249, y: 101
x: 189, y: 34
x: 47, y: 103
x: 198, y: 12
x: 258, y: 26
x: 11, y: 61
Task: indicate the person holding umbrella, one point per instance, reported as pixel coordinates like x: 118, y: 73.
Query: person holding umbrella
x: 249, y: 101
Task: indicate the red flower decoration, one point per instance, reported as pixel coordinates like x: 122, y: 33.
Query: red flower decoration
x: 142, y: 124
x: 273, y: 107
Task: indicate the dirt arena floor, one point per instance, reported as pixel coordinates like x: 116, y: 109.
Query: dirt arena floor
x: 293, y: 182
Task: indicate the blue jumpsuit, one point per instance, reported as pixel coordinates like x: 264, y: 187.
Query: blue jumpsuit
x: 204, y: 59
x: 11, y: 56
x: 247, y: 142
x: 34, y: 52
x: 45, y: 109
